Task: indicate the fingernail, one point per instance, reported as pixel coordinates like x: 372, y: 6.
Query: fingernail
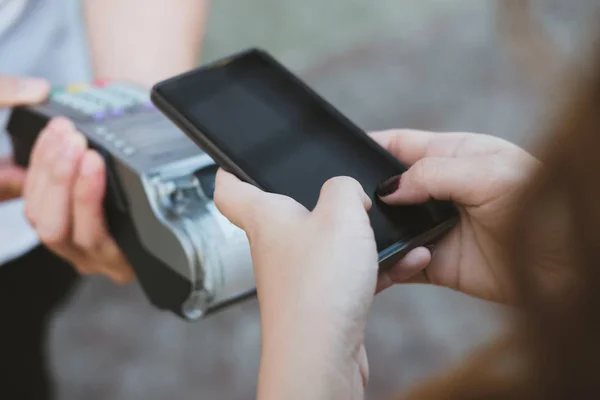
x: 32, y: 89
x: 388, y: 187
x: 431, y: 249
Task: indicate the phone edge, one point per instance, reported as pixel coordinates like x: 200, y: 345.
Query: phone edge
x: 398, y: 250
x: 199, y: 139
x: 389, y: 254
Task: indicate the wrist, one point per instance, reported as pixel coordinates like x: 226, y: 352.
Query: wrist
x: 309, y: 358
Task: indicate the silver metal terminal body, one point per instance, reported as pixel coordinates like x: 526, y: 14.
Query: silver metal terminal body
x: 176, y: 221
x: 159, y: 185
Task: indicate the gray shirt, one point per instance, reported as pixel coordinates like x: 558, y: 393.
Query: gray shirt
x: 42, y: 38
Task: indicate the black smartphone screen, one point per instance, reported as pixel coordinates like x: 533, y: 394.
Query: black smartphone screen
x: 288, y: 140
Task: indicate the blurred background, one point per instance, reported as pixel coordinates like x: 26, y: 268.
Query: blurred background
x: 427, y: 64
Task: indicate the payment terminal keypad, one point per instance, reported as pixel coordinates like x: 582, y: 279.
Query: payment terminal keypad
x: 100, y: 101
x: 116, y: 117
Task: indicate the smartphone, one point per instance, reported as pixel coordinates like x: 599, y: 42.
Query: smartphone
x: 261, y: 122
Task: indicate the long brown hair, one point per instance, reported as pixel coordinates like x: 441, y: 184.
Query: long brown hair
x: 562, y: 325
x: 554, y: 350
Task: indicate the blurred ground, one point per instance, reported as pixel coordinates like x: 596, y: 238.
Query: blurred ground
x: 428, y: 64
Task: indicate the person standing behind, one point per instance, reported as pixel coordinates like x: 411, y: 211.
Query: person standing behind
x: 51, y: 215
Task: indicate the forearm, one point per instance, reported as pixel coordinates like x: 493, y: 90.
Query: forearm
x: 144, y: 41
x: 307, y: 361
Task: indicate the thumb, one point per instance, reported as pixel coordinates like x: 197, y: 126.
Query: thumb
x: 247, y: 206
x: 342, y: 196
x: 12, y: 179
x: 462, y: 180
x: 15, y: 91
x: 234, y: 198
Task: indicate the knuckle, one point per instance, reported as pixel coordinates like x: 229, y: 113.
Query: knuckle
x: 275, y: 211
x: 337, y: 224
x: 109, y: 250
x: 420, y: 168
x: 61, y: 175
x: 394, y: 144
x: 90, y: 243
x: 84, y: 193
x: 424, y: 169
x: 277, y: 207
x: 282, y: 202
x: 52, y: 237
x: 339, y: 183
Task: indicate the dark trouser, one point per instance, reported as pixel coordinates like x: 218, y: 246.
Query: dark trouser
x: 31, y: 288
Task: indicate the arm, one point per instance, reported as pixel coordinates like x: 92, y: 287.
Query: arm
x: 304, y: 357
x: 145, y: 41
x: 315, y: 276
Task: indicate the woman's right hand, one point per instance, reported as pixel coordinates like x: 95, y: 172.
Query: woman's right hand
x: 484, y: 175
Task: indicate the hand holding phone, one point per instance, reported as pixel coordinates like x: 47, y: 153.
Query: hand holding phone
x: 260, y: 122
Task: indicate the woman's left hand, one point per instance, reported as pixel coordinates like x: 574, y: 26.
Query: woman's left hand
x: 316, y: 275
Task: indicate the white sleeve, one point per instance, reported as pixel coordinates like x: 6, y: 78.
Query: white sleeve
x: 17, y: 237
